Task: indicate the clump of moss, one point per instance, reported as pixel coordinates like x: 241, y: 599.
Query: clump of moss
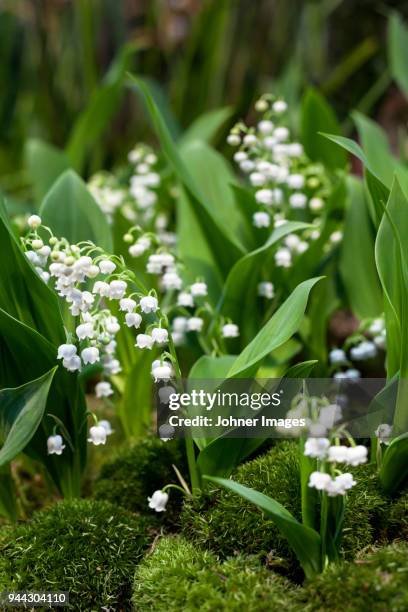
x: 377, y: 582
x: 180, y: 576
x: 225, y: 523
x: 135, y: 472
x: 88, y: 548
x: 228, y: 524
x: 366, y: 512
x: 397, y: 524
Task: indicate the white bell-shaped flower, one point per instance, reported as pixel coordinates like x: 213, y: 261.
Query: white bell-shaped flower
x: 103, y: 389
x: 117, y: 289
x: 158, y: 501
x: 85, y: 330
x: 90, y: 355
x: 133, y: 319
x: 72, y: 364
x: 97, y: 435
x: 144, y: 341
x: 55, y: 445
x: 230, y: 330
x: 160, y: 335
x: 66, y: 351
x: 199, y: 289
x: 195, y: 324
x: 34, y: 221
x: 107, y: 266
x: 149, y: 304
x: 127, y: 305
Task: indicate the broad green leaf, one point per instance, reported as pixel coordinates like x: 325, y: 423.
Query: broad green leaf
x: 221, y: 455
x: 225, y: 248
x: 239, y: 296
x: 102, y: 106
x: 71, y: 212
x: 377, y: 196
x: 22, y: 293
x: 214, y: 178
x: 212, y: 367
x: 376, y: 148
x: 161, y: 99
x: 357, y: 262
x: 207, y: 125
x: 282, y: 325
x: 316, y: 117
x: 351, y: 146
x: 44, y: 164
x: 21, y: 411
x: 322, y: 304
x: 195, y: 249
x: 392, y: 265
x: 134, y: 409
x: 304, y: 541
x: 398, y: 50
x: 394, y: 467
x: 301, y: 370
x: 24, y: 355
x: 389, y: 258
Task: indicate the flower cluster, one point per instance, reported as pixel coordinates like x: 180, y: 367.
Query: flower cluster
x: 133, y: 191
x: 286, y: 184
x: 360, y: 347
x: 187, y: 297
x: 329, y: 479
x: 94, y: 289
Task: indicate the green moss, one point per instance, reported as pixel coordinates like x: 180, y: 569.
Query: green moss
x: 376, y: 582
x: 135, y: 472
x: 180, y: 576
x: 225, y: 523
x: 366, y: 512
x: 88, y: 548
x: 397, y: 525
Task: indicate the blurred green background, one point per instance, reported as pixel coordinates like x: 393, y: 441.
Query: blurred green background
x: 63, y: 67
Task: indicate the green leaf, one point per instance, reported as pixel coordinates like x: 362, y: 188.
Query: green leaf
x: 317, y: 116
x: 281, y: 326
x: 134, y: 409
x: 208, y: 368
x: 195, y: 249
x: 398, y: 51
x: 221, y: 455
x: 304, y: 541
x: 390, y: 260
x: 21, y: 411
x: 71, y: 212
x: 206, y: 126
x: 22, y: 293
x: 376, y: 148
x: 44, y: 164
x: 226, y: 250
x: 357, y: 262
x: 394, y: 467
x: 24, y: 355
x: 239, y: 296
x: 214, y: 178
x: 377, y: 194
x: 351, y: 146
x: 102, y: 106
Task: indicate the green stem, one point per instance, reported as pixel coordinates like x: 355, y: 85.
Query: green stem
x: 323, y: 527
x: 191, y: 460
